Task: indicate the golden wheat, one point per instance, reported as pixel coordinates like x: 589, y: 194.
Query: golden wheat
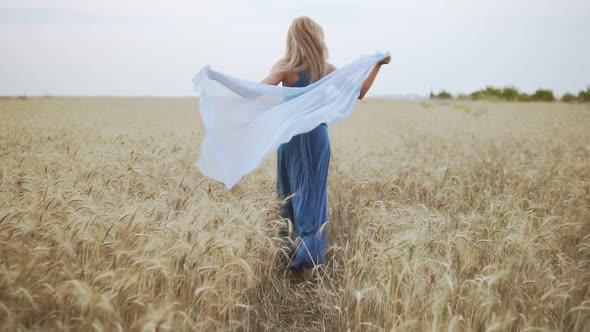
x: 443, y: 216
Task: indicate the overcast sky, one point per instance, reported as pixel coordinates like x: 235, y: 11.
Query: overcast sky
x: 117, y: 47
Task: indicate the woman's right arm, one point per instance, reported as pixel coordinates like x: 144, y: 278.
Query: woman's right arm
x: 274, y: 78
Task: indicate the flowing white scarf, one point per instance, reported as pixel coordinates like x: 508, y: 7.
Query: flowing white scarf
x: 247, y: 121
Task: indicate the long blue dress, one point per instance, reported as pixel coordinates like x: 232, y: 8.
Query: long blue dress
x: 303, y: 170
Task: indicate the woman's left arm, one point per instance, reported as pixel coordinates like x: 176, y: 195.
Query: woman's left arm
x: 369, y: 80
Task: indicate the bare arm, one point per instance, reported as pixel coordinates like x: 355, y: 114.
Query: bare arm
x: 330, y: 68
x: 274, y: 78
x: 369, y: 80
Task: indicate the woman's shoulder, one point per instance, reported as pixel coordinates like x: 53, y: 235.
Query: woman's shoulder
x: 329, y: 68
x: 291, y: 77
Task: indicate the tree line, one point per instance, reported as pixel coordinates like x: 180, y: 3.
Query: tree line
x: 512, y: 94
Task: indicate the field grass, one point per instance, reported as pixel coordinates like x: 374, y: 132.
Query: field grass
x: 455, y: 216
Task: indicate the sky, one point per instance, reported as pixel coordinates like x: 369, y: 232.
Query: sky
x: 154, y: 48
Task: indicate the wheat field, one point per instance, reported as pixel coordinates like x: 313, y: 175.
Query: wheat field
x: 443, y: 216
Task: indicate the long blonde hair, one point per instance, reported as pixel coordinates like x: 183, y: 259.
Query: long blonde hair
x: 306, y: 49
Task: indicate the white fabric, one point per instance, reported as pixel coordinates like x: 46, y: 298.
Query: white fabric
x: 247, y: 121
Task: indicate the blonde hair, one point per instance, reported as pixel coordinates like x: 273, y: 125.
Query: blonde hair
x: 306, y: 50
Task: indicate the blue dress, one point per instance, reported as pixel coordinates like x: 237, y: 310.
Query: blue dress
x: 303, y: 170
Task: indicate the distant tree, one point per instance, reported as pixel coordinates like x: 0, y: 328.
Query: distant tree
x: 569, y: 98
x: 444, y: 95
x: 490, y: 91
x: 477, y: 95
x: 584, y: 96
x: 543, y: 95
x: 510, y: 93
x: 524, y: 97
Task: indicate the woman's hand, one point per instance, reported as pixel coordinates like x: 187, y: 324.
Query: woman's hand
x: 384, y: 61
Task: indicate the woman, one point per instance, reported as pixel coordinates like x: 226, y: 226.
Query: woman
x: 303, y: 161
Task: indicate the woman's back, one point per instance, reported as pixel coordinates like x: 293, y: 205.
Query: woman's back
x: 301, y: 78
x: 296, y: 79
